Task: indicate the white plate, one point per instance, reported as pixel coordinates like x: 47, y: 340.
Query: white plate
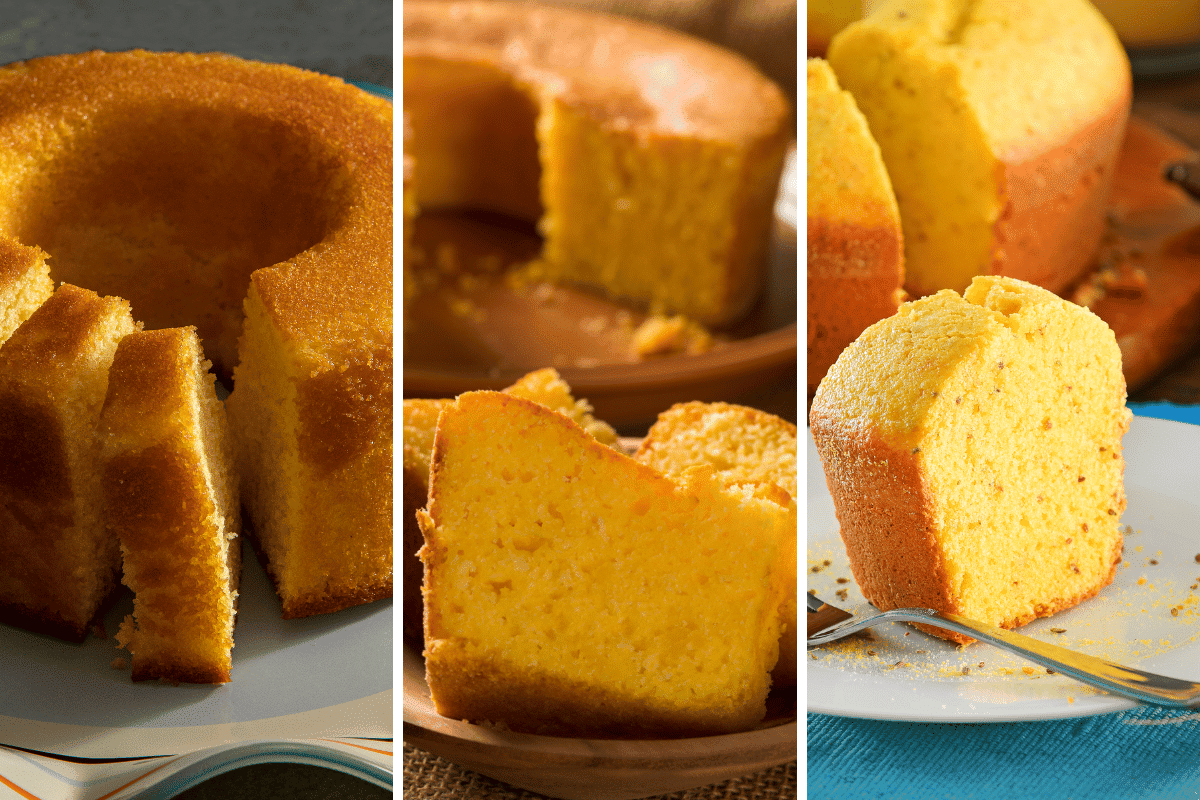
x: 324, y: 676
x: 1129, y: 622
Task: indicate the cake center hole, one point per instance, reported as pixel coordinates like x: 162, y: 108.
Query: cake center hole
x: 173, y: 206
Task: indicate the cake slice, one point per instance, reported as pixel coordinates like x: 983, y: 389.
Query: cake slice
x: 544, y: 386
x: 855, y: 244
x: 570, y: 590
x: 972, y: 446
x: 170, y: 496
x: 58, y: 562
x: 24, y: 284
x: 311, y: 415
x: 744, y: 446
x: 1000, y: 122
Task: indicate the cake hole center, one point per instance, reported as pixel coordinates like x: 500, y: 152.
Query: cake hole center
x: 173, y: 206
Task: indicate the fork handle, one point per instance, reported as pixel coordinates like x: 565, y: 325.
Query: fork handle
x: 1126, y: 681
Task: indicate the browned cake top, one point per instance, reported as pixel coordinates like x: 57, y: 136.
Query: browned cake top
x: 61, y: 335
x: 16, y: 261
x: 634, y: 74
x: 237, y: 165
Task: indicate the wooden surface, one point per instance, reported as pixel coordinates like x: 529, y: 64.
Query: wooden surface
x: 428, y: 777
x: 1173, y: 104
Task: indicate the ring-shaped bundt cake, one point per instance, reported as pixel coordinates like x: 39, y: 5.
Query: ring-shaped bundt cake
x: 253, y: 201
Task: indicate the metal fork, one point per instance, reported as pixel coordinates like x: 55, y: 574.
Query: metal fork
x: 1146, y: 687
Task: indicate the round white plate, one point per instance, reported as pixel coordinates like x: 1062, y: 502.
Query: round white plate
x: 1130, y: 622
x: 321, y: 676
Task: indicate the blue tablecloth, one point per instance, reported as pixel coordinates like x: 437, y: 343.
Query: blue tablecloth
x: 1145, y: 753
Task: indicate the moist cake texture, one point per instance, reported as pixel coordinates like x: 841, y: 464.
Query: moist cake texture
x: 58, y: 562
x: 545, y: 387
x: 24, y: 284
x: 571, y: 590
x: 1000, y: 123
x: 649, y: 160
x: 253, y: 201
x: 972, y: 446
x: 744, y: 446
x: 170, y: 497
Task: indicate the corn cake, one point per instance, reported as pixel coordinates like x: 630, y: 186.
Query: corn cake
x: 972, y: 446
x: 571, y: 590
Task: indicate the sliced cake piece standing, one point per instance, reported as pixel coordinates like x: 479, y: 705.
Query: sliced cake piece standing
x: 545, y: 387
x: 311, y: 414
x: 972, y: 446
x: 571, y: 590
x: 744, y: 446
x: 855, y: 244
x: 58, y: 563
x: 24, y: 284
x: 170, y: 495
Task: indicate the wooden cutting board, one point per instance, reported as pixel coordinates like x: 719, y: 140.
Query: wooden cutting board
x: 1147, y: 285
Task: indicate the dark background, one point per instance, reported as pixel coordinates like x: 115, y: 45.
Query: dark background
x: 351, y: 39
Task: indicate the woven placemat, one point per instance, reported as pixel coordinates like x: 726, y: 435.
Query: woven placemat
x: 428, y: 777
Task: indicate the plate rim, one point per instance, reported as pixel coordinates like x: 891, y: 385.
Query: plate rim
x: 1032, y: 710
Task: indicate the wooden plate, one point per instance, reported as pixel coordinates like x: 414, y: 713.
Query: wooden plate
x: 590, y: 769
x: 487, y: 336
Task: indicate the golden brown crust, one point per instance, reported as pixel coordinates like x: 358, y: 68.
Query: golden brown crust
x: 628, y: 117
x: 526, y: 558
x: 420, y: 426
x: 854, y: 279
x: 416, y: 493
x: 598, y: 63
x: 171, y: 500
x: 24, y: 284
x: 52, y: 377
x: 292, y: 136
x: 233, y: 174
x: 1053, y: 219
x: 935, y: 474
x: 884, y: 513
x: 327, y: 603
x: 174, y: 673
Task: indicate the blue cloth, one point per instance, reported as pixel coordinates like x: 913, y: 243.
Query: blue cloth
x: 1142, y: 754
x: 1163, y: 410
x: 382, y: 91
x: 1145, y: 753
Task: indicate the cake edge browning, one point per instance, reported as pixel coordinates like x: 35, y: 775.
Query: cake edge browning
x: 1057, y: 199
x: 870, y: 467
x: 860, y: 464
x: 169, y: 491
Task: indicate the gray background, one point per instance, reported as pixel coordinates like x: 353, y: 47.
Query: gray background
x: 351, y: 39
